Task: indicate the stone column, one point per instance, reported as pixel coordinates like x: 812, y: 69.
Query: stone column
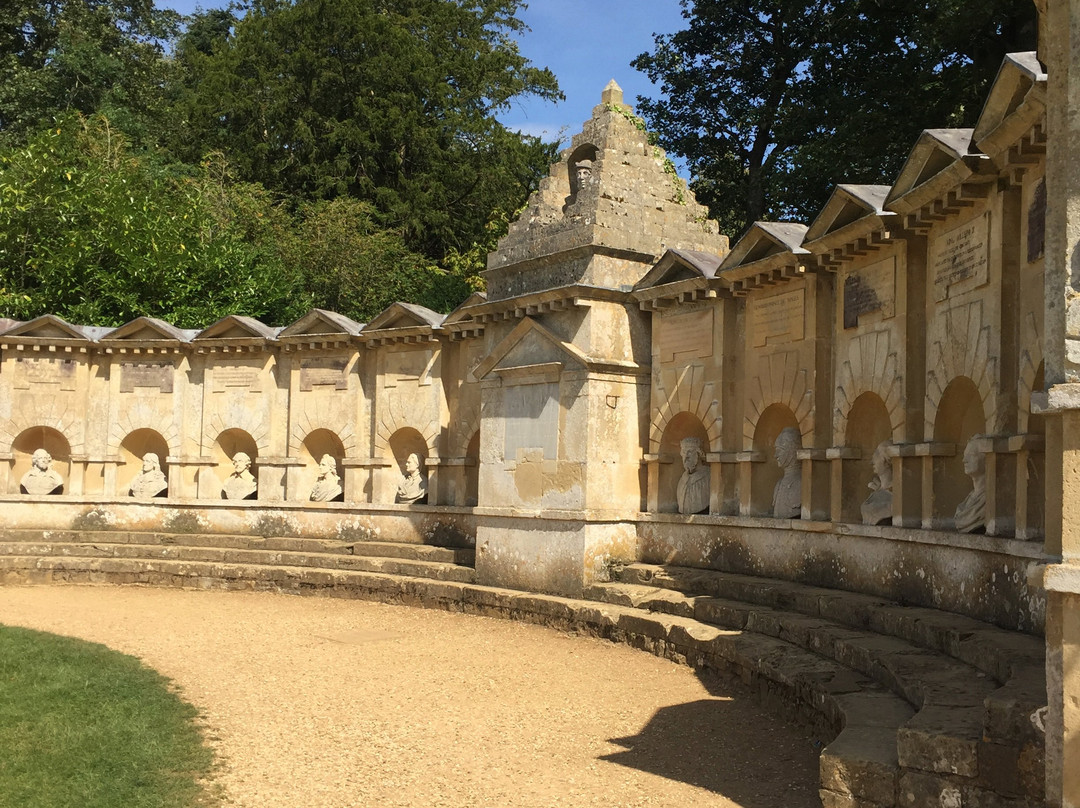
x: 1059, y: 49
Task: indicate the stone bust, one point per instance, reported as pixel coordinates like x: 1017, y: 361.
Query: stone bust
x: 42, y: 478
x: 877, y: 508
x: 787, y: 495
x: 693, y: 491
x: 241, y: 483
x: 413, y: 487
x: 971, y: 512
x: 327, y: 486
x: 151, y: 481
x: 583, y: 171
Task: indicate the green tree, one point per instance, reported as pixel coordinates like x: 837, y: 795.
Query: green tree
x: 390, y: 102
x: 351, y: 265
x: 773, y: 102
x: 84, y: 56
x: 98, y: 235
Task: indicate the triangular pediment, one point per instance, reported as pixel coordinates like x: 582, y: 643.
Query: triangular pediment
x: 48, y: 327
x: 530, y: 345
x: 463, y: 313
x: 935, y: 151
x: 142, y: 329
x: 405, y: 315
x: 681, y: 265
x: 1018, y: 74
x: 847, y: 204
x: 236, y: 326
x: 764, y: 240
x: 320, y: 322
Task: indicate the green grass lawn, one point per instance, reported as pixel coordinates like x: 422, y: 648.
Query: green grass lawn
x: 83, y: 726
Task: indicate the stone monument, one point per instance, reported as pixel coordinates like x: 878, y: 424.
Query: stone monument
x: 413, y: 487
x: 877, y: 509
x: 971, y: 512
x: 787, y: 496
x: 693, y: 491
x: 241, y: 483
x: 151, y: 481
x: 327, y: 486
x: 42, y: 479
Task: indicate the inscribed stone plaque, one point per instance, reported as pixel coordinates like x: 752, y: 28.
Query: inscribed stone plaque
x: 689, y: 335
x: 869, y: 289
x: 226, y: 376
x: 777, y: 318
x: 146, y: 374
x: 35, y: 371
x: 960, y: 255
x: 315, y: 372
x: 405, y: 366
x: 532, y: 419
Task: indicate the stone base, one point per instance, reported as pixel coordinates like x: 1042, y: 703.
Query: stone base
x: 552, y: 553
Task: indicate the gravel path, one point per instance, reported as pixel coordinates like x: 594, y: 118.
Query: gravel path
x: 320, y: 702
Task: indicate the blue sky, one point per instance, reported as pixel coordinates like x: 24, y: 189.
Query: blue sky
x: 584, y: 42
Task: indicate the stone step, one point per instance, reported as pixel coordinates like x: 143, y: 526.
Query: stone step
x: 439, y: 570
x: 998, y: 652
x: 860, y: 767
x: 959, y: 708
x: 388, y: 549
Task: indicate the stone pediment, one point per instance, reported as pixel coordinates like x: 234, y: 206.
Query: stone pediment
x: 50, y: 328
x: 764, y: 240
x: 940, y: 160
x: 1014, y: 115
x: 848, y: 204
x: 463, y: 313
x: 321, y: 323
x: 1018, y: 74
x: 405, y: 315
x: 237, y: 329
x: 681, y: 265
x: 532, y: 350
x: 148, y: 329
x: 463, y: 322
x: 769, y: 253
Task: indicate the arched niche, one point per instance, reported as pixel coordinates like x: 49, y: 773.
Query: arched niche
x: 960, y: 417
x: 585, y: 153
x: 683, y: 425
x: 28, y: 442
x: 867, y: 427
x: 132, y: 449
x: 404, y: 442
x: 766, y: 474
x: 472, y: 470
x: 230, y: 442
x: 317, y: 444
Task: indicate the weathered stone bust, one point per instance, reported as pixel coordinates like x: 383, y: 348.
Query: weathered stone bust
x: 971, y: 512
x: 413, y: 486
x: 877, y: 508
x: 327, y: 486
x: 787, y: 496
x: 151, y: 481
x: 693, y: 491
x: 241, y: 483
x: 41, y: 479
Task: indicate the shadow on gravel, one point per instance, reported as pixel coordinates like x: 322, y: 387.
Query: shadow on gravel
x: 729, y: 747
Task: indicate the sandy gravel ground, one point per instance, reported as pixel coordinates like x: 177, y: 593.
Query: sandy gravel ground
x: 318, y: 702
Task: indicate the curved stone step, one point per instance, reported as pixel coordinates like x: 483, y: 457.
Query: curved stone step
x: 379, y: 549
x: 995, y: 651
x: 963, y: 715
